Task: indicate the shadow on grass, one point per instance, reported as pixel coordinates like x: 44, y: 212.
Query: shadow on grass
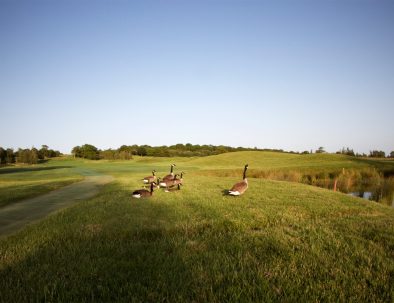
x: 100, y: 268
x: 99, y: 262
x: 29, y: 169
x: 163, y: 250
x: 138, y: 251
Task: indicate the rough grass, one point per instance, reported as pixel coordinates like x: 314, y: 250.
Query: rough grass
x: 279, y: 242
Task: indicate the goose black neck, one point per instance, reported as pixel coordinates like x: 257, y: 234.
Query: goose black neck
x: 246, y: 167
x: 172, y: 167
x: 151, y: 188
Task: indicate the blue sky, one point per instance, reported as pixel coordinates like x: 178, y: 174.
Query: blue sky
x: 294, y: 75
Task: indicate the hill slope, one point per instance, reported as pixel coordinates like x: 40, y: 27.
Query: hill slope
x: 274, y: 160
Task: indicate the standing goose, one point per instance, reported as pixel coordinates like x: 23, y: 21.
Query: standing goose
x: 171, y: 175
x: 240, y: 187
x: 169, y: 183
x: 179, y: 181
x: 144, y: 193
x: 150, y: 179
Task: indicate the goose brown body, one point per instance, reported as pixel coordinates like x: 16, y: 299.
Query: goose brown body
x: 240, y: 187
x: 143, y: 193
x: 170, y: 176
x: 178, y: 182
x: 169, y: 183
x: 150, y: 179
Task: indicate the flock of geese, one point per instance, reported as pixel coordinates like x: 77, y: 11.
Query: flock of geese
x: 171, y: 181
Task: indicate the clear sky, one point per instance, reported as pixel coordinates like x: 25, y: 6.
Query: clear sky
x: 292, y: 74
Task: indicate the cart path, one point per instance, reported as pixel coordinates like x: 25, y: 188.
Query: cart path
x: 15, y: 216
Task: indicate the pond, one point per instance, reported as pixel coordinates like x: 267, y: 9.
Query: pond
x: 381, y: 191
x: 373, y: 197
x: 369, y: 184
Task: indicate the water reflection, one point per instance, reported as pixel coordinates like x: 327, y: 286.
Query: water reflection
x: 369, y: 184
x: 365, y: 195
x: 389, y: 200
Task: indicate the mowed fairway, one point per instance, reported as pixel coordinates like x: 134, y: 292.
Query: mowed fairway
x: 278, y: 242
x: 17, y: 215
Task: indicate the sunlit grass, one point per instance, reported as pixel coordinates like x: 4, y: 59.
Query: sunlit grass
x: 279, y: 242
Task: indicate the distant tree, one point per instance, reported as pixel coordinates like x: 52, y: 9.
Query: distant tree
x: 124, y: 155
x: 305, y: 152
x: 377, y: 154
x: 27, y: 156
x: 33, y: 156
x: 141, y: 151
x: 44, y: 152
x: 3, y: 156
x: 86, y: 151
x: 21, y: 156
x: 76, y: 152
x: 55, y: 153
x: 221, y: 149
x: 346, y: 151
x: 10, y: 157
x: 108, y: 154
x: 320, y: 150
x: 90, y: 152
x: 392, y: 154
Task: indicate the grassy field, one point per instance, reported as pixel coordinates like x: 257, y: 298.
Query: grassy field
x: 21, y: 182
x: 279, y: 242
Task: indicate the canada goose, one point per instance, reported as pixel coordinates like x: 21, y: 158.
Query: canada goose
x: 178, y: 182
x: 240, y: 187
x: 169, y: 183
x: 150, y: 179
x: 171, y: 175
x: 143, y: 193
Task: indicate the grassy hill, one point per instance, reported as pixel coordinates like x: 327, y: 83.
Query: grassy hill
x: 278, y: 242
x: 271, y: 160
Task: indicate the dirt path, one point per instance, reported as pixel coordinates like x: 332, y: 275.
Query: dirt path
x: 17, y: 215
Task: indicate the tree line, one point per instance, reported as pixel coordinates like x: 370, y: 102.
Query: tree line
x: 372, y: 153
x: 27, y: 156
x: 126, y: 152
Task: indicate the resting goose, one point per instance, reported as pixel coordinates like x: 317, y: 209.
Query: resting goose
x: 171, y: 175
x: 150, y: 179
x: 240, y: 187
x: 144, y: 193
